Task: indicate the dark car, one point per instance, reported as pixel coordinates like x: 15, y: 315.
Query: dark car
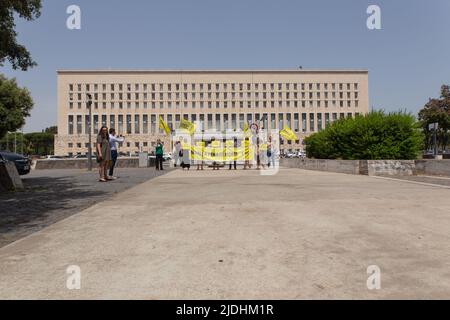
x: 22, y: 163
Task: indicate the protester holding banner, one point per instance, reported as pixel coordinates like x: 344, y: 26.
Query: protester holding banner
x: 246, y: 153
x: 233, y: 154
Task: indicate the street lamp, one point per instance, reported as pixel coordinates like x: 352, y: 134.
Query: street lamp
x: 89, y: 104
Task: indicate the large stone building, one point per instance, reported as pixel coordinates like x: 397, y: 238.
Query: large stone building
x: 132, y: 101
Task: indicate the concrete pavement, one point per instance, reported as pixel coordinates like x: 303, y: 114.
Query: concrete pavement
x: 238, y: 235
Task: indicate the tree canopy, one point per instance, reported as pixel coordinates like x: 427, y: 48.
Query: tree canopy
x: 15, y: 105
x: 10, y: 50
x: 437, y: 110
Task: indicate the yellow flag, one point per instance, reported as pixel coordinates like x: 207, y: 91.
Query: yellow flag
x: 288, y: 134
x: 245, y: 127
x: 164, y: 126
x: 187, y: 125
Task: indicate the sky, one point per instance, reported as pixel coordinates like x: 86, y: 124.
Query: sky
x: 408, y: 59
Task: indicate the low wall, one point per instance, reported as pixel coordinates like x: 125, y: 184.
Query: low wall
x: 373, y: 167
x: 390, y: 167
x: 433, y: 167
x: 83, y: 163
x: 340, y: 166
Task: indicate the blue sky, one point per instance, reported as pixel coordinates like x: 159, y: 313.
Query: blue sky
x: 408, y: 60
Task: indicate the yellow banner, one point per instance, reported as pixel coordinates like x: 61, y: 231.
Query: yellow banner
x: 223, y: 154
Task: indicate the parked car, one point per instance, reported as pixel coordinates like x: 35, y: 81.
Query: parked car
x: 22, y: 163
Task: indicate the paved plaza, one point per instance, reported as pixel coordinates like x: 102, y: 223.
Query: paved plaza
x: 238, y: 235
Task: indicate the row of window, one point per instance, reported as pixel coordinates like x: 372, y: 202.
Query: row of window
x: 145, y: 124
x: 217, y: 96
x: 219, y: 104
x: 210, y: 86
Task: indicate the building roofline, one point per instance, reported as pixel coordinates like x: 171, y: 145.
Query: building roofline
x: 300, y: 71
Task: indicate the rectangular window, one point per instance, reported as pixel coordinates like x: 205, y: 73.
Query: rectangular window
x: 129, y: 124
x: 249, y: 119
x: 87, y: 124
x: 210, y: 121
x: 327, y: 119
x: 70, y: 122
x: 177, y: 120
x: 96, y: 124
x: 79, y: 124
x: 225, y: 122
x: 136, y: 124
x: 241, y: 120
x: 112, y: 121
x: 311, y: 122
x: 170, y: 121
x: 304, y: 129
x: 104, y: 120
x: 153, y: 123
x: 233, y: 121
x: 272, y: 121
x: 319, y: 121
x: 145, y: 124
x: 218, y: 126
x: 280, y: 121
x: 120, y: 124
x: 288, y: 120
x: 296, y: 123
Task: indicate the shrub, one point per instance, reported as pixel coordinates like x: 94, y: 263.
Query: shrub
x: 375, y: 136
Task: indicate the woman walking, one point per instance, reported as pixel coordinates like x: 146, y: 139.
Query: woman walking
x: 103, y: 153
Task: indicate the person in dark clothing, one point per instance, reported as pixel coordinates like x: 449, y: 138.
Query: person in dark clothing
x: 234, y: 154
x: 159, y: 155
x: 113, y: 140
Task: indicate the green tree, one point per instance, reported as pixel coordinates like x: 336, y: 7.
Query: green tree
x: 368, y: 137
x: 15, y: 105
x: 52, y: 129
x: 437, y: 110
x: 10, y: 50
x: 40, y: 143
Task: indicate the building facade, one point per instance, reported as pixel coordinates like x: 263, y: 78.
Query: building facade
x: 132, y: 102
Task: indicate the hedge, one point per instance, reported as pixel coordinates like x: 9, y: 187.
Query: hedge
x: 375, y: 136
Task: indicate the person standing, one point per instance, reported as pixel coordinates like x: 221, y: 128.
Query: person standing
x: 234, y: 154
x: 159, y: 155
x: 103, y: 153
x: 246, y: 153
x: 113, y: 146
x: 176, y: 152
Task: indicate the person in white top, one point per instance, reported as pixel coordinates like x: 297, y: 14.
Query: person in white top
x: 113, y: 146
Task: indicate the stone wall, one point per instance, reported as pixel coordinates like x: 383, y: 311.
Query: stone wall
x: 433, y: 167
x: 340, y: 166
x: 373, y: 167
x: 83, y: 163
x: 390, y: 167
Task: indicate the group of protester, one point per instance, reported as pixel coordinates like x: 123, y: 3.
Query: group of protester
x: 264, y: 155
x: 106, y: 148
